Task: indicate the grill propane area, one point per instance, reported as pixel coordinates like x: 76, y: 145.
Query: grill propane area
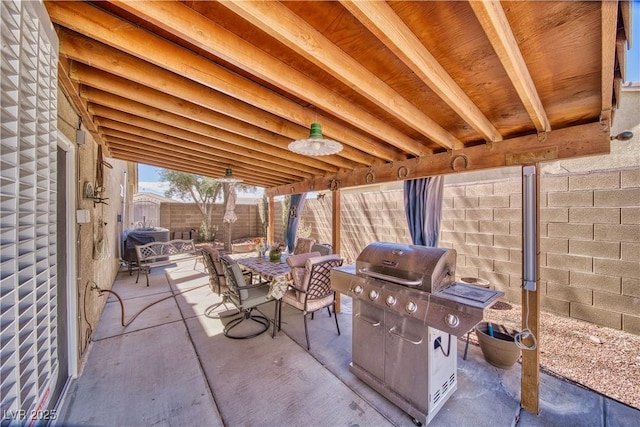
x: 407, y: 312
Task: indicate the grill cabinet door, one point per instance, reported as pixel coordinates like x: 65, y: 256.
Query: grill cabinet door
x: 407, y: 359
x: 368, y: 338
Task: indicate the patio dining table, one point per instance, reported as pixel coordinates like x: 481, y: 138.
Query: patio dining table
x: 277, y: 273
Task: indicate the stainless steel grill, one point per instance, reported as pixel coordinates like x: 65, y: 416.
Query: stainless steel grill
x: 407, y: 312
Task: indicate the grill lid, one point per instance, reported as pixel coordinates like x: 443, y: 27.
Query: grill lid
x: 419, y: 267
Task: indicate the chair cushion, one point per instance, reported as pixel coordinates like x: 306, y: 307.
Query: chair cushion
x: 314, y: 260
x: 291, y: 298
x: 256, y: 296
x: 214, y: 255
x: 323, y: 248
x: 304, y: 283
x: 303, y: 245
x: 300, y: 259
x: 297, y: 264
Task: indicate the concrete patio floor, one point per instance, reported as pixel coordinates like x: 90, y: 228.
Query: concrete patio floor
x: 173, y: 366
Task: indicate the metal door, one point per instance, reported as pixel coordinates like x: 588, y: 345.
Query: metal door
x: 368, y: 338
x: 406, y: 362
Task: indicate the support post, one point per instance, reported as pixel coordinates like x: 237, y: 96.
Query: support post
x: 335, y: 231
x: 271, y: 230
x: 530, y: 380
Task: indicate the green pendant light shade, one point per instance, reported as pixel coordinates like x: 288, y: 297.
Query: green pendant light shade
x: 228, y: 177
x: 316, y: 144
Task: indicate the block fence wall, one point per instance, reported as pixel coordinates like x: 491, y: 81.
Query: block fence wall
x: 183, y: 217
x: 590, y: 238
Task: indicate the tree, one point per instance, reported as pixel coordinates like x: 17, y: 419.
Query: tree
x: 203, y: 191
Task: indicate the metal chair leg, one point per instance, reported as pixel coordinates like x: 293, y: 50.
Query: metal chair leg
x: 336, y: 316
x: 247, y: 315
x: 276, y: 318
x: 466, y: 347
x: 306, y: 330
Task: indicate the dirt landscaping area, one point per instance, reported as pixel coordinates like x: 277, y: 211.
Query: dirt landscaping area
x: 602, y: 359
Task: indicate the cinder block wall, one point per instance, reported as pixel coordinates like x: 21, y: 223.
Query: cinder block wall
x: 590, y: 242
x: 365, y: 217
x: 590, y: 238
x: 179, y: 217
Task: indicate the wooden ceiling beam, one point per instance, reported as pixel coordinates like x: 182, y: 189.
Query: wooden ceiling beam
x: 583, y: 140
x: 625, y: 12
x: 210, y: 160
x: 161, y: 162
x: 141, y: 74
x: 289, y: 29
x: 71, y: 88
x: 155, y: 131
x: 379, y: 18
x: 496, y: 26
x: 124, y: 88
x: 149, y: 76
x: 123, y: 36
x: 185, y: 23
x: 155, y: 161
x: 98, y: 97
x: 182, y: 160
x: 609, y: 32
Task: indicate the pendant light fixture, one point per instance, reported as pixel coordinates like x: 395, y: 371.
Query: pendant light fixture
x: 228, y: 177
x: 316, y: 144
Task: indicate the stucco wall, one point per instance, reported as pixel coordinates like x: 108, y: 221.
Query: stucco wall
x: 89, y: 270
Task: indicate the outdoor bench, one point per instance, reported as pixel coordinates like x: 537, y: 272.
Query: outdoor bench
x: 157, y: 254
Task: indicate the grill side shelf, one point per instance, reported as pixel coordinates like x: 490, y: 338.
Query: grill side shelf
x: 474, y: 296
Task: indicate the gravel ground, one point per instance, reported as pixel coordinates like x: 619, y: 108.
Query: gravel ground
x: 602, y: 359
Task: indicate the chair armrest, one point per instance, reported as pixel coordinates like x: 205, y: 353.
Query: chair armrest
x: 297, y: 289
x: 254, y: 285
x: 299, y: 260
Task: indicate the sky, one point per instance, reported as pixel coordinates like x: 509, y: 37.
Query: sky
x: 149, y: 180
x: 149, y: 176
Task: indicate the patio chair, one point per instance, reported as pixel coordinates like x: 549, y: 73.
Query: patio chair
x: 323, y: 248
x: 314, y: 291
x: 246, y: 296
x: 214, y: 268
x: 297, y: 265
x: 217, y: 281
x: 303, y: 245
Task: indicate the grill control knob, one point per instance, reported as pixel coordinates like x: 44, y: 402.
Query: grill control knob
x: 358, y: 290
x: 391, y: 300
x: 373, y: 294
x: 452, y: 320
x: 411, y: 307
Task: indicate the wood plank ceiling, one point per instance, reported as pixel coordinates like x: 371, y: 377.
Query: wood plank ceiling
x: 410, y: 88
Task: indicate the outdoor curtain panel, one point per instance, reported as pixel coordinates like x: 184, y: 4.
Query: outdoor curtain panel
x: 423, y: 207
x: 293, y: 217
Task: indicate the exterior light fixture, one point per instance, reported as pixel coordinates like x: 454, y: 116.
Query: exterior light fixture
x: 625, y: 135
x: 229, y: 178
x: 316, y: 144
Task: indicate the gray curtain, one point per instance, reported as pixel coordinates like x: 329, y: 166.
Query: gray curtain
x: 293, y: 218
x: 423, y: 207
